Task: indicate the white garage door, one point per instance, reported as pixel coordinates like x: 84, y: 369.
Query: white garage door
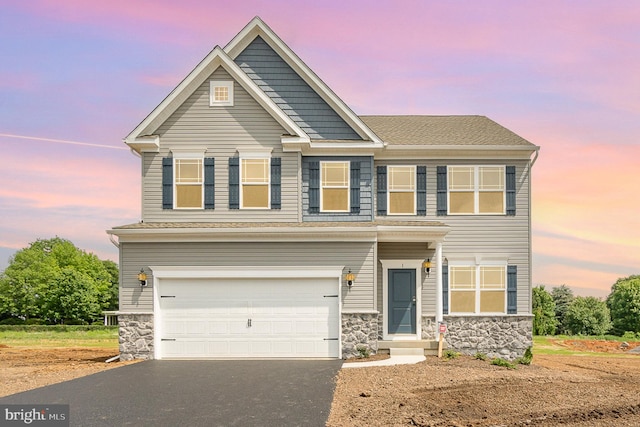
x: 212, y: 318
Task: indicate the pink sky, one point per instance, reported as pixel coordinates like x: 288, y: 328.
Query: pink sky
x: 562, y: 74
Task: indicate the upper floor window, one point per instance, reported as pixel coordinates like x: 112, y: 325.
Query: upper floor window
x: 476, y: 190
x: 334, y: 186
x: 220, y: 93
x: 477, y: 289
x: 188, y: 183
x: 402, y: 190
x: 254, y: 188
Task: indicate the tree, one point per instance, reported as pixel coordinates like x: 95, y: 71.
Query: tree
x: 587, y: 316
x: 54, y: 280
x: 114, y: 274
x: 562, y: 296
x: 544, y: 321
x: 624, y: 305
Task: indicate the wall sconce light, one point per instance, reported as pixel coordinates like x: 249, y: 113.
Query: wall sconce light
x: 142, y: 277
x: 427, y: 266
x: 350, y: 277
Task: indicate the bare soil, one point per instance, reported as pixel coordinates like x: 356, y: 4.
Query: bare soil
x: 24, y: 369
x: 602, y: 389
x: 580, y: 391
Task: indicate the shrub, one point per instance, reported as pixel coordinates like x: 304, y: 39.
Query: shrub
x: 12, y: 321
x: 363, y: 352
x: 526, y: 358
x: 502, y: 362
x: 480, y: 356
x: 450, y: 354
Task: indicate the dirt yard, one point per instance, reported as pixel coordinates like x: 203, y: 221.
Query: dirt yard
x: 578, y: 391
x: 574, y: 391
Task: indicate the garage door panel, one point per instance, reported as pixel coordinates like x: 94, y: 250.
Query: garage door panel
x: 249, y: 318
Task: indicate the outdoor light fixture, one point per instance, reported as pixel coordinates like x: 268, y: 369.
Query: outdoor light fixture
x: 427, y: 266
x: 350, y: 277
x: 142, y: 277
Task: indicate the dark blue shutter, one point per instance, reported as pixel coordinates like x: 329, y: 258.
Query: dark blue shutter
x: 512, y: 289
x: 209, y: 183
x: 167, y: 183
x: 355, y: 187
x: 511, y: 190
x: 421, y: 187
x: 382, y: 190
x: 445, y: 289
x: 314, y: 187
x: 442, y: 191
x: 234, y: 183
x: 276, y: 177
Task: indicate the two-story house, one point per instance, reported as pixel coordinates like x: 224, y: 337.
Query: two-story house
x: 278, y: 223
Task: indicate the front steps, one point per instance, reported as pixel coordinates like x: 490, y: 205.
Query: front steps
x: 410, y: 348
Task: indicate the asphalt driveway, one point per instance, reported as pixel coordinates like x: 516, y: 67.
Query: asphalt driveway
x: 197, y: 393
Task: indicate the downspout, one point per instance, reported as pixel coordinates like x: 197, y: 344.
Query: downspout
x: 115, y: 243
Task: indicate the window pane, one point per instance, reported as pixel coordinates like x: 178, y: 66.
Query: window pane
x: 461, y: 202
x: 402, y: 203
x: 463, y: 302
x: 461, y: 178
x: 492, y: 278
x: 335, y: 199
x: 335, y: 174
x: 255, y: 196
x: 221, y: 93
x: 401, y: 178
x: 189, y: 196
x: 463, y: 277
x: 188, y: 171
x: 490, y: 202
x: 491, y: 178
x: 255, y: 171
x: 492, y: 301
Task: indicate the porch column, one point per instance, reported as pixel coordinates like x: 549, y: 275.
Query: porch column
x: 438, y: 281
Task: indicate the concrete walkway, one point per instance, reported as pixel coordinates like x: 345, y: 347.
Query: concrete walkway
x: 393, y: 360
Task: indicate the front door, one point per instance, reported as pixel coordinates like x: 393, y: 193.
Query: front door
x: 402, y: 301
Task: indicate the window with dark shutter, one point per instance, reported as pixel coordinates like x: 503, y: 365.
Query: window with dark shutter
x: 421, y: 190
x: 167, y: 183
x: 234, y: 183
x: 512, y: 289
x: 314, y: 187
x: 445, y: 289
x: 510, y: 178
x: 441, y: 201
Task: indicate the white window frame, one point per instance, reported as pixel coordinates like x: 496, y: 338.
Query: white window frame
x: 476, y: 190
x: 187, y: 155
x: 213, y: 84
x: 477, y: 289
x: 414, y: 191
x: 348, y: 187
x: 255, y: 155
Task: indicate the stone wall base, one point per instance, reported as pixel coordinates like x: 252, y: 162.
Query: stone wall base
x: 359, y: 334
x: 506, y: 337
x: 135, y: 336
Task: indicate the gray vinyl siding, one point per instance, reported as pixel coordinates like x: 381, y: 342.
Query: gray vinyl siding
x: 366, y: 188
x: 220, y: 131
x: 291, y: 93
x: 357, y: 256
x: 494, y: 237
x: 396, y: 251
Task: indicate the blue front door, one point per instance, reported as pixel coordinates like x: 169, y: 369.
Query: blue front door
x: 402, y: 301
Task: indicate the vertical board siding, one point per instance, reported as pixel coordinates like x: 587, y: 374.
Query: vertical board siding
x: 310, y: 195
x: 358, y: 256
x: 218, y: 132
x: 484, y: 236
x: 291, y: 93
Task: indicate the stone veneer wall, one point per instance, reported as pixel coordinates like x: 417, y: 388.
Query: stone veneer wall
x: 496, y: 336
x: 359, y: 334
x: 136, y: 336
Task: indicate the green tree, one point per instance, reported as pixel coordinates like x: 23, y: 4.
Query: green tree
x: 54, y: 280
x: 587, y: 316
x: 624, y: 305
x: 562, y: 296
x: 544, y: 320
x: 114, y: 278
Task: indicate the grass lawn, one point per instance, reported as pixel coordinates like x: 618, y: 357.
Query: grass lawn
x: 54, y: 337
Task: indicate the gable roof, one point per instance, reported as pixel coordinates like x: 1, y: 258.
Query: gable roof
x: 443, y: 131
x: 256, y: 28
x: 142, y: 137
